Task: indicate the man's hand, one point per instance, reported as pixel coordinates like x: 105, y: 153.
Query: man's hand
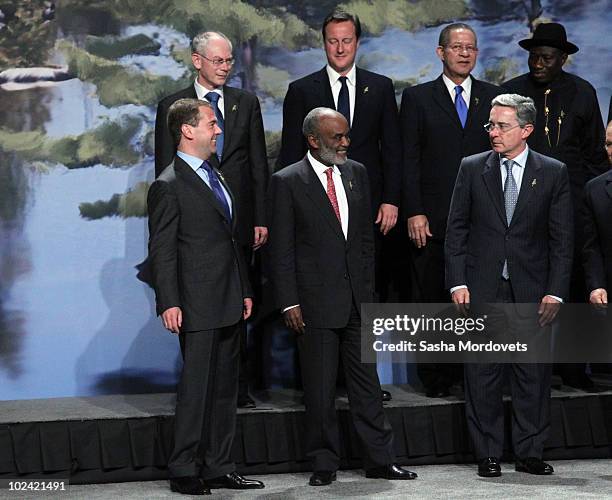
x: 172, y: 319
x: 549, y: 307
x: 247, y: 308
x: 599, y: 297
x: 293, y: 319
x: 461, y: 299
x: 386, y: 217
x: 418, y: 230
x: 261, y: 236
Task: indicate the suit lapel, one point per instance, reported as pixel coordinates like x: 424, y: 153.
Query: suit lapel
x: 529, y: 185
x: 199, y: 187
x: 323, y: 88
x: 231, y: 108
x: 348, y: 181
x: 491, y: 176
x: 443, y: 99
x: 362, y: 102
x: 609, y: 184
x: 315, y: 191
x: 475, y: 104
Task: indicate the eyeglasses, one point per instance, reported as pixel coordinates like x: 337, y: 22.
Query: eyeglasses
x: 217, y: 61
x: 502, y: 127
x: 457, y: 48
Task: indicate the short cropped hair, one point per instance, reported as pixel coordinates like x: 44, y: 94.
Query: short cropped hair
x: 313, y: 119
x: 524, y: 107
x: 340, y: 15
x: 444, y: 37
x: 181, y: 112
x: 200, y: 41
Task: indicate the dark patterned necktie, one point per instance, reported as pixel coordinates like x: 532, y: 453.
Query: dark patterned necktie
x: 216, y: 188
x: 213, y: 98
x: 344, y: 106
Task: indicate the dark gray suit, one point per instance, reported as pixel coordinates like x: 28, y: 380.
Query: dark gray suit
x: 196, y: 264
x: 538, y: 246
x: 329, y: 276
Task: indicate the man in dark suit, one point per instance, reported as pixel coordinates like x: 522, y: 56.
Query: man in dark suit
x: 322, y: 270
x: 597, y: 249
x: 367, y: 101
x: 202, y: 294
x: 570, y: 129
x: 241, y: 155
x: 509, y: 240
x: 454, y: 107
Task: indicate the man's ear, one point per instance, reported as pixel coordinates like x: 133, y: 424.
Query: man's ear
x: 313, y: 141
x: 527, y: 130
x: 187, y: 130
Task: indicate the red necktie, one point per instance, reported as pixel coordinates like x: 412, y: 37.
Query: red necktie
x: 331, y: 192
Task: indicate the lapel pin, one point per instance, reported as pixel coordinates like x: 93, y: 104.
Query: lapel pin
x: 365, y: 90
x: 534, y: 182
x: 476, y: 101
x: 351, y: 185
x: 234, y: 107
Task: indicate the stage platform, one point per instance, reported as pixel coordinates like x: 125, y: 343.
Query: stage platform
x: 129, y: 437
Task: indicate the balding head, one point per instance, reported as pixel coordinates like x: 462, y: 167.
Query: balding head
x: 327, y: 135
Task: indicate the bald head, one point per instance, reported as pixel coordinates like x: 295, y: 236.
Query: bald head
x: 327, y: 135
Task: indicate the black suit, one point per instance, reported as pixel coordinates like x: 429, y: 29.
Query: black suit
x: 197, y: 265
x: 597, y: 249
x: 313, y: 265
x: 434, y: 144
x: 538, y: 246
x: 244, y: 162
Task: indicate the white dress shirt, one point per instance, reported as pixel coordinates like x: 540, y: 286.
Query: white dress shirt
x: 336, y: 85
x: 467, y: 89
x: 201, y: 92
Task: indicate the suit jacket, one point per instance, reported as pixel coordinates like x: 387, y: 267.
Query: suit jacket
x: 312, y: 264
x: 538, y: 244
x: 375, y: 137
x: 194, y: 259
x: 244, y: 161
x: 597, y: 249
x: 434, y: 144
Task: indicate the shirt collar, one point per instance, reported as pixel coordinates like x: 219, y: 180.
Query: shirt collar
x: 319, y: 167
x: 201, y: 90
x: 520, y: 159
x: 193, y: 161
x: 450, y: 85
x: 333, y: 75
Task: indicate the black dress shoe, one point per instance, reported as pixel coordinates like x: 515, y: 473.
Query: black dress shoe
x: 489, y: 467
x: 437, y: 391
x: 189, y: 486
x: 234, y: 481
x: 246, y: 402
x: 533, y: 465
x: 322, y: 478
x: 386, y: 396
x: 390, y: 472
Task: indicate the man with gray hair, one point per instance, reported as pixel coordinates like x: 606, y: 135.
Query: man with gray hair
x: 241, y: 148
x: 322, y: 270
x: 509, y: 239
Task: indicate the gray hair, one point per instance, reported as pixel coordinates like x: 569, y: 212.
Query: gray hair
x: 524, y: 107
x: 313, y: 118
x: 444, y: 37
x: 200, y: 41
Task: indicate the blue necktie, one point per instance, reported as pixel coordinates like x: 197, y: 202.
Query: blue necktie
x: 510, y: 199
x: 344, y: 106
x: 460, y: 105
x: 216, y: 188
x: 213, y: 98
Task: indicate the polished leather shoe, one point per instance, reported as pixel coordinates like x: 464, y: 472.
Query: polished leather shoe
x: 533, y: 465
x: 489, y: 467
x: 189, y: 486
x: 322, y: 478
x: 234, y: 481
x: 246, y: 402
x: 386, y: 396
x: 390, y: 472
x: 437, y: 391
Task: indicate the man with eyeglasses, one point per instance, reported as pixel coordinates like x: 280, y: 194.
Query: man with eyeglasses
x: 441, y: 123
x: 509, y: 239
x: 570, y: 128
x: 241, y: 149
x: 367, y: 101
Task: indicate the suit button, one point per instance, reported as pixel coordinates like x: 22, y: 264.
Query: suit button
x: 507, y: 238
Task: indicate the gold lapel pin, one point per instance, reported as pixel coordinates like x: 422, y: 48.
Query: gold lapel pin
x: 234, y: 107
x: 534, y: 182
x: 365, y: 90
x: 351, y: 185
x: 476, y: 101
